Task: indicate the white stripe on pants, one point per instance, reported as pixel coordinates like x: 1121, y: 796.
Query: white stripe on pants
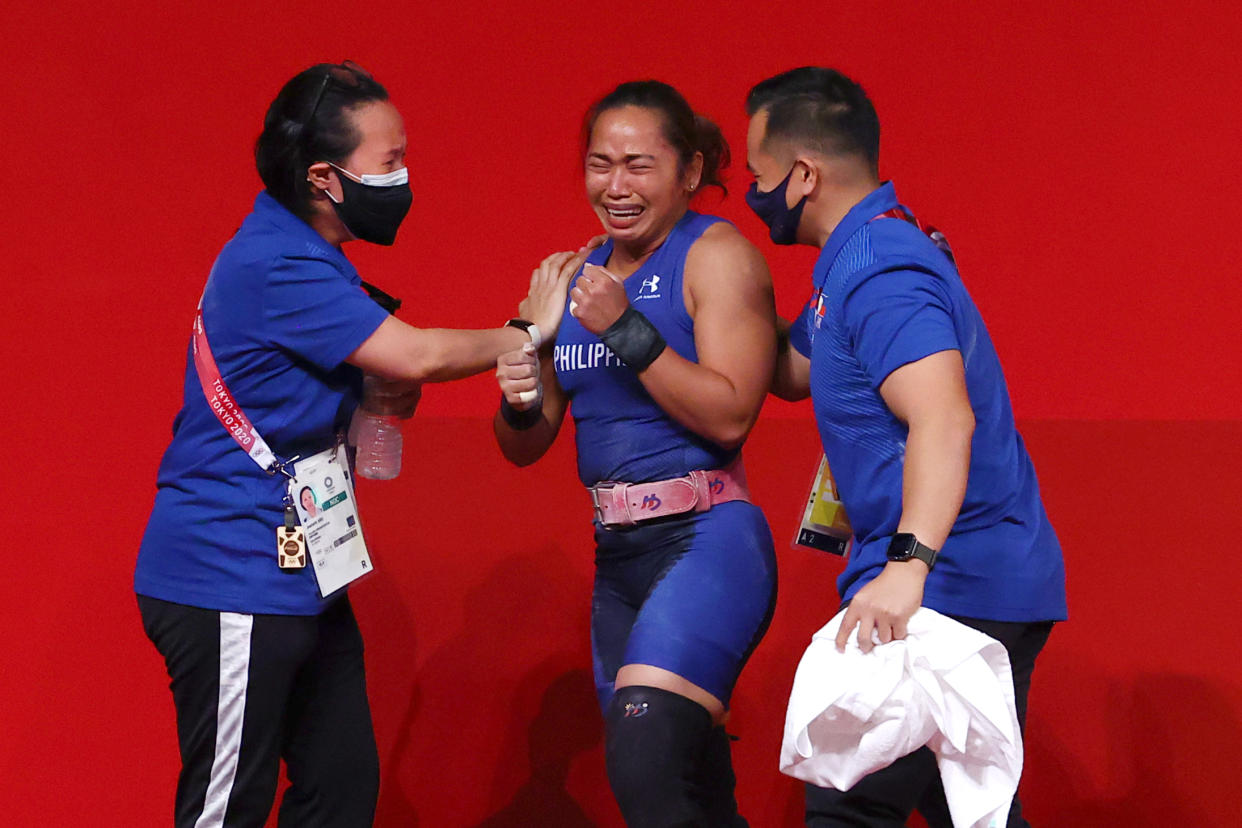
x: 235, y: 629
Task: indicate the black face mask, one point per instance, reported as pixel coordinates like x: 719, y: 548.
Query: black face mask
x: 782, y: 221
x: 373, y: 206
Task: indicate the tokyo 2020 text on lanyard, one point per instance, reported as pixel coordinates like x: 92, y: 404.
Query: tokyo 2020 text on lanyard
x: 327, y: 528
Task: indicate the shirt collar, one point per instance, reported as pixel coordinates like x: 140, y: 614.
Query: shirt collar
x: 879, y: 200
x: 271, y: 210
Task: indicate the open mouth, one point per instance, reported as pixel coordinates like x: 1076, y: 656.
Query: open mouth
x: 624, y: 213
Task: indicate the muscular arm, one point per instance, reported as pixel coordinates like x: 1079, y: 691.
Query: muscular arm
x: 930, y: 397
x: 792, y: 378
x: 729, y: 295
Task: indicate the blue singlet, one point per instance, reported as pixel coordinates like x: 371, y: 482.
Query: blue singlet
x: 692, y: 593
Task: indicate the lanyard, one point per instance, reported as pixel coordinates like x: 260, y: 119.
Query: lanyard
x: 226, y: 409
x: 932, y: 233
x: 937, y: 238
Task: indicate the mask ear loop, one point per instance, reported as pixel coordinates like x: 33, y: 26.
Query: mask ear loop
x: 326, y: 192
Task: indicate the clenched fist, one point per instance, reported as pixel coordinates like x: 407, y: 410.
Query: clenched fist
x: 598, y: 298
x: 517, y: 372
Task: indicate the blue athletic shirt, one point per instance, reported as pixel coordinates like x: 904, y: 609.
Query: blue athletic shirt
x: 282, y: 309
x: 891, y: 297
x: 622, y: 433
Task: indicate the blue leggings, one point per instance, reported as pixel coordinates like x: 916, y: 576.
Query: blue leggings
x: 692, y: 594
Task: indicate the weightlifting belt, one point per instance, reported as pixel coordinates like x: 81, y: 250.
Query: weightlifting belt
x: 624, y: 504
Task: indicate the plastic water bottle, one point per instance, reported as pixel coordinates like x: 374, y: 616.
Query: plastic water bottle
x: 378, y: 438
x: 376, y: 434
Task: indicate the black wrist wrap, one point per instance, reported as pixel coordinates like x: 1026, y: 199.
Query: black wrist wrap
x: 520, y: 420
x: 634, y: 339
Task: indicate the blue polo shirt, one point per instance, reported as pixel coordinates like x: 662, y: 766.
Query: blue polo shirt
x: 282, y: 309
x: 891, y: 297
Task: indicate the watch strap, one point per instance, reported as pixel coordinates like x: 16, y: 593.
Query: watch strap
x: 532, y: 330
x: 905, y: 546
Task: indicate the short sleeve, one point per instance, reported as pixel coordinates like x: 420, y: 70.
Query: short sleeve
x: 800, y: 331
x: 895, y: 317
x: 312, y: 309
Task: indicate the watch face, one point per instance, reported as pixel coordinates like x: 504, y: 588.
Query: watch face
x: 902, y: 547
x: 905, y: 546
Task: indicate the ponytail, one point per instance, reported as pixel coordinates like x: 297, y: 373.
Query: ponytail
x: 711, y: 142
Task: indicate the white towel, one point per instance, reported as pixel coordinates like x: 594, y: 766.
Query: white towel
x: 945, y: 685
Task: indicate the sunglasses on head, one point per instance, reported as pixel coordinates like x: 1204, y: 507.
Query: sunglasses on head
x: 347, y: 74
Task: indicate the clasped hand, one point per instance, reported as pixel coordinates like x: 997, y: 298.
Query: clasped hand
x: 545, y: 303
x: 517, y: 372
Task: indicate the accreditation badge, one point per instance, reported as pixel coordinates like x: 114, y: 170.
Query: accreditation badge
x: 824, y: 525
x: 322, y: 491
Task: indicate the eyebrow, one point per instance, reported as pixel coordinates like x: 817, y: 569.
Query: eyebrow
x: 634, y: 156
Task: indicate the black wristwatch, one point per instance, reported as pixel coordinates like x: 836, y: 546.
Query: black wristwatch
x: 532, y: 330
x: 905, y: 546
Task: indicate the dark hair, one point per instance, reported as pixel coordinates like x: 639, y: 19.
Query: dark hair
x: 307, y: 123
x: 818, y: 109
x: 685, y: 131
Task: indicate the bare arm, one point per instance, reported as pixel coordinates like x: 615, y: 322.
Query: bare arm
x: 522, y: 371
x: 792, y: 377
x: 729, y: 296
x: 402, y: 352
x: 930, y: 397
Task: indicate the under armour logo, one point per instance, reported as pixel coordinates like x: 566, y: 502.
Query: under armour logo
x: 651, y: 502
x: 650, y: 285
x: 635, y: 710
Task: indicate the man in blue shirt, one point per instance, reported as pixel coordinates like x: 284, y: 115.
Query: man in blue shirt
x: 912, y: 410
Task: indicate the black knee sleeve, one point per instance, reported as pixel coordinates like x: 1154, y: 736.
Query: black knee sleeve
x: 718, y: 781
x: 655, y: 746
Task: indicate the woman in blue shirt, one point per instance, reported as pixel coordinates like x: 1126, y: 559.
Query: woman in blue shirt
x: 665, y: 361
x: 263, y: 666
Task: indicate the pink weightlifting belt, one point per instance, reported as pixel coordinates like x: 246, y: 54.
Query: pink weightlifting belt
x: 624, y: 504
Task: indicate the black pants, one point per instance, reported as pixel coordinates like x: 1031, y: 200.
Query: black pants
x: 887, y: 797
x: 252, y: 689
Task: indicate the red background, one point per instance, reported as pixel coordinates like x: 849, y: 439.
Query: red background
x: 1083, y: 158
